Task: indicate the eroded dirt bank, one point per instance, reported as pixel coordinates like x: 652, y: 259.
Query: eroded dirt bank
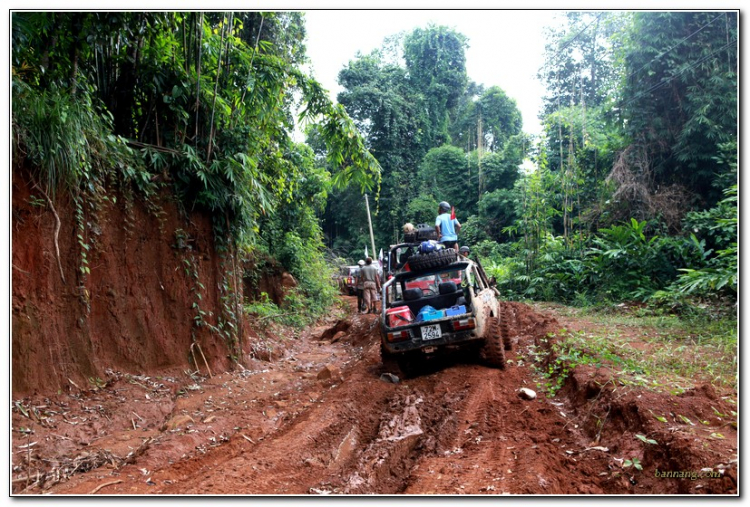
x: 120, y: 288
x: 321, y: 419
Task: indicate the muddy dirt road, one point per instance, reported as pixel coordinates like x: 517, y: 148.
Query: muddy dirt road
x: 321, y: 419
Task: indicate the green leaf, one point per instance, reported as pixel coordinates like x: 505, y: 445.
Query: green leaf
x: 658, y: 417
x: 686, y: 420
x: 634, y: 462
x: 20, y: 407
x: 643, y: 438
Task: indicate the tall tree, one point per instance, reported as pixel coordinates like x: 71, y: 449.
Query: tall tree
x: 679, y: 96
x: 205, y: 97
x: 580, y: 115
x: 388, y: 111
x: 497, y: 114
x: 404, y: 111
x: 444, y: 176
x: 580, y: 70
x: 436, y: 61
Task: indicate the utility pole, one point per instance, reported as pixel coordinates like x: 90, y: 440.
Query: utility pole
x: 369, y: 222
x: 480, y: 149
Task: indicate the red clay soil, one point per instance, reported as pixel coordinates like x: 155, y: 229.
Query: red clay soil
x: 134, y: 310
x: 321, y: 419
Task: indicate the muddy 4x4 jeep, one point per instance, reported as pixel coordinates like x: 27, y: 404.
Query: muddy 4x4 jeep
x: 347, y: 279
x: 443, y: 301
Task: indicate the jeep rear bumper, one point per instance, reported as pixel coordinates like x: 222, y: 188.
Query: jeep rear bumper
x: 412, y: 337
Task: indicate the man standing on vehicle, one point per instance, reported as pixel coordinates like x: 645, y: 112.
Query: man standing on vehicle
x: 360, y: 287
x: 447, y: 226
x: 369, y: 274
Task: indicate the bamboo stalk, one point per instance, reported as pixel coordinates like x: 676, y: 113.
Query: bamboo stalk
x: 252, y: 58
x: 195, y: 344
x: 198, y: 79
x: 216, y: 91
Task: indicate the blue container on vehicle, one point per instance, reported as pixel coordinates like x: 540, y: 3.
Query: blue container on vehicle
x: 455, y: 310
x: 429, y: 313
x: 430, y: 246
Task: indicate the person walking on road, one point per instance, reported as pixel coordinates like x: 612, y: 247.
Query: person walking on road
x: 360, y: 288
x: 369, y: 274
x: 447, y: 226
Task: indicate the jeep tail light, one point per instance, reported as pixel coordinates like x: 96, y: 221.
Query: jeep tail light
x: 460, y: 325
x: 398, y: 336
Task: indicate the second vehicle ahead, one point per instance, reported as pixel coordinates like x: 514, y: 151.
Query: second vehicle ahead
x: 348, y: 279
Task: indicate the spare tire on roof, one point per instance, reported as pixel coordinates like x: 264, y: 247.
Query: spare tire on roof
x: 432, y: 260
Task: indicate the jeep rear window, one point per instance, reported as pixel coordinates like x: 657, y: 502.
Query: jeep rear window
x: 429, y: 282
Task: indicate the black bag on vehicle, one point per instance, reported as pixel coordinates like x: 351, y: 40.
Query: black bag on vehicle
x: 422, y: 232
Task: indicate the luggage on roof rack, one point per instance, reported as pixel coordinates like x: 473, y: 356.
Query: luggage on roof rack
x: 422, y: 232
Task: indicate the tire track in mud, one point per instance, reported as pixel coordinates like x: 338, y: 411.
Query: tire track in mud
x: 388, y: 458
x: 476, y: 435
x: 307, y: 455
x: 500, y: 444
x: 476, y: 450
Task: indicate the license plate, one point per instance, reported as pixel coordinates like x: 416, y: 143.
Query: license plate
x: 431, y: 332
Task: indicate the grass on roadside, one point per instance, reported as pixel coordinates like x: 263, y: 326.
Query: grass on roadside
x: 661, y: 352
x: 298, y: 311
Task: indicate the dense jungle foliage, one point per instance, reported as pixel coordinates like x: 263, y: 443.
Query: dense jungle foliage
x: 199, y: 105
x: 629, y: 193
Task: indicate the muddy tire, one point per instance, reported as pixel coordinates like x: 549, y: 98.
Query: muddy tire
x: 494, y: 348
x: 432, y: 260
x: 410, y: 364
x: 505, y: 329
x: 389, y: 361
x: 474, y: 352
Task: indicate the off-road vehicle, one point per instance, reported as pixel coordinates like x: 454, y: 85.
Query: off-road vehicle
x: 437, y: 302
x: 347, y: 279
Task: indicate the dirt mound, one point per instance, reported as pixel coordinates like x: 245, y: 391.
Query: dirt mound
x: 357, y: 330
x: 689, y: 433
